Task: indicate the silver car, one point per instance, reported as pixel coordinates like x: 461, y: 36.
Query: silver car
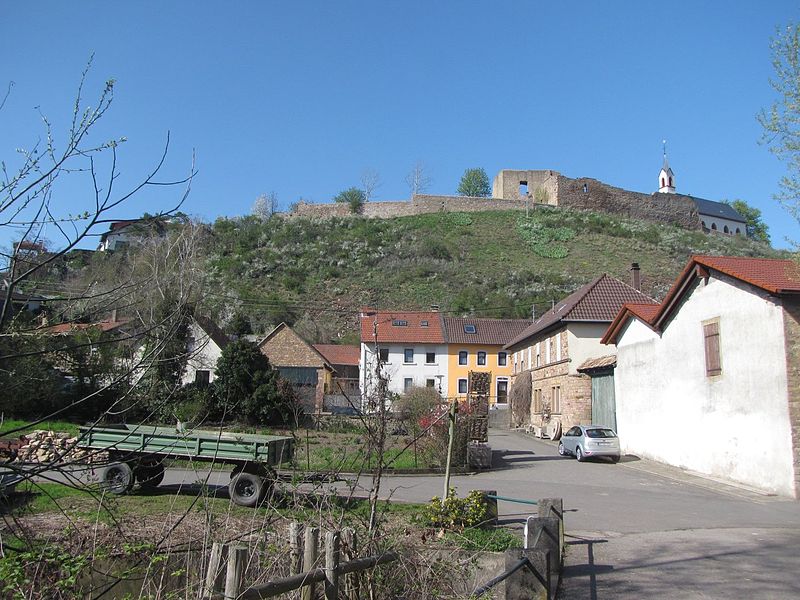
x: 585, y: 441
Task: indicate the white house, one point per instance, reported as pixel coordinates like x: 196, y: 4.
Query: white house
x: 710, y: 381
x: 204, y: 347
x: 411, y: 347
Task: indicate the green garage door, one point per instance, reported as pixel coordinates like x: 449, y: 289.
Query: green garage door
x: 604, y: 406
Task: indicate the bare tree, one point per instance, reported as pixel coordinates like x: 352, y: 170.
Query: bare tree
x: 27, y: 194
x: 418, y: 180
x: 370, y: 181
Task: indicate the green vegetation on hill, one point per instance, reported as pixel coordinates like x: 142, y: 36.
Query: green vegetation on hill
x: 317, y: 272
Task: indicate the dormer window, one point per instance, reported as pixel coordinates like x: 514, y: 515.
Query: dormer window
x: 399, y: 323
x: 470, y: 329
x: 423, y: 323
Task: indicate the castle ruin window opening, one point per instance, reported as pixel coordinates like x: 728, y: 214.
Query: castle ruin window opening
x: 523, y: 189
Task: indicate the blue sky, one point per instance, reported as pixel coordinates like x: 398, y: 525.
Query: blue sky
x: 301, y: 97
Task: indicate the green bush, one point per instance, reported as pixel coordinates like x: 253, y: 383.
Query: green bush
x: 456, y: 513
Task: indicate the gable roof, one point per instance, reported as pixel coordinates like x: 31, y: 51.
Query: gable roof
x: 339, y: 354
x: 775, y: 276
x: 598, y: 301
x: 282, y: 361
x: 716, y: 209
x: 420, y: 327
x: 212, y: 330
x: 495, y: 332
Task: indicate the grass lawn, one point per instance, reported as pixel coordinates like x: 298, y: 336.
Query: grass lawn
x: 59, y: 426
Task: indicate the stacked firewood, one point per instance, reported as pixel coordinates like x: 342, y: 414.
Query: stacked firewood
x: 57, y: 448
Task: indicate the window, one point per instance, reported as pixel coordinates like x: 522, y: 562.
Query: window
x: 430, y: 383
x: 502, y: 359
x: 408, y: 355
x: 502, y: 391
x: 725, y: 229
x: 537, y: 401
x: 462, y: 386
x: 430, y: 358
x: 408, y: 383
x: 713, y: 359
x: 202, y: 378
x: 714, y: 226
x: 423, y: 323
x: 399, y: 323
x: 470, y: 329
x: 555, y: 406
x: 463, y: 357
x: 539, y: 354
x: 670, y: 182
x: 481, y: 358
x: 523, y: 189
x: 383, y: 355
x: 662, y: 182
x: 738, y: 231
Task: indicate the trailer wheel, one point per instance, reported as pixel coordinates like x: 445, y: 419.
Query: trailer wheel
x: 246, y: 489
x: 118, y: 478
x: 149, y: 474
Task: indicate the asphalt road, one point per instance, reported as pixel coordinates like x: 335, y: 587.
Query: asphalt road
x: 634, y: 529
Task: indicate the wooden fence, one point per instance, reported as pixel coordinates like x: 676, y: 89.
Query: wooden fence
x: 224, y: 578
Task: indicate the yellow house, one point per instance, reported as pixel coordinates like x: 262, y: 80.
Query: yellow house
x: 475, y: 344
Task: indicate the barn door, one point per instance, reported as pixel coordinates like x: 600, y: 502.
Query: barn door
x: 604, y: 406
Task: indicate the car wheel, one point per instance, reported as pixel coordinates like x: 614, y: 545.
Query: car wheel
x: 579, y: 454
x: 615, y: 459
x: 561, y: 450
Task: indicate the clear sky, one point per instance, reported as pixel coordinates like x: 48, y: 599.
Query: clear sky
x: 300, y: 98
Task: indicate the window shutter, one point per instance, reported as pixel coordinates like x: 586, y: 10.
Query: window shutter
x: 713, y: 362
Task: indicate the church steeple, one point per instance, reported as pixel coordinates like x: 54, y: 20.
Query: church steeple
x: 666, y: 178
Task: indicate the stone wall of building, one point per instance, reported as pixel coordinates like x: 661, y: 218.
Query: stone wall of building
x: 594, y: 195
x: 544, y: 187
x: 791, y: 332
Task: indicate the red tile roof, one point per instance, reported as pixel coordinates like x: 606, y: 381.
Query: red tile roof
x: 391, y: 331
x: 495, y: 332
x: 776, y: 276
x: 596, y: 302
x: 73, y: 327
x: 339, y: 354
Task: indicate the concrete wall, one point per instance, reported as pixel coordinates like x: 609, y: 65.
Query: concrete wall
x: 734, y: 425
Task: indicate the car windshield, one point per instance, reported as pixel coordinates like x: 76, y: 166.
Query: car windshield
x: 600, y: 433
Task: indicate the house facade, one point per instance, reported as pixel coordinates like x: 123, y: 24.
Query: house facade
x: 344, y: 392
x: 299, y: 362
x: 711, y: 381
x: 555, y: 346
x: 204, y: 347
x: 411, y: 349
x: 476, y: 344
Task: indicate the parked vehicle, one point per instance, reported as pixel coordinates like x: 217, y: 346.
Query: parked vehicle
x: 586, y: 441
x: 137, y: 454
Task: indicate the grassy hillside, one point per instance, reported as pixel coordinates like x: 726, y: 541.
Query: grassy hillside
x: 316, y: 273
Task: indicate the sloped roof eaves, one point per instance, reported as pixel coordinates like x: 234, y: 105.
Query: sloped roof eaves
x: 644, y: 312
x: 495, y: 332
x: 596, y: 302
x: 338, y: 354
x: 717, y: 209
x: 279, y: 328
x: 603, y: 362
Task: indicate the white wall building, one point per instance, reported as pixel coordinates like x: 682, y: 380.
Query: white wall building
x: 711, y: 381
x: 204, y: 347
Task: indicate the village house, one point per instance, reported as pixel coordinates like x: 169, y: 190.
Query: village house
x: 411, y: 347
x: 204, y: 346
x: 344, y: 359
x: 300, y: 363
x: 476, y: 344
x: 557, y: 344
x: 710, y: 381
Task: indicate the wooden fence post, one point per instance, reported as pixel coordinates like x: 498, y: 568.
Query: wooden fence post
x: 352, y: 587
x: 332, y: 565
x: 296, y: 563
x: 214, y: 580
x: 234, y: 574
x: 311, y: 539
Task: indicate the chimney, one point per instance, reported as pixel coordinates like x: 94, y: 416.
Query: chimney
x: 114, y: 315
x: 636, y: 278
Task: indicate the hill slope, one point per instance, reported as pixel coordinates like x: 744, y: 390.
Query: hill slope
x: 316, y: 273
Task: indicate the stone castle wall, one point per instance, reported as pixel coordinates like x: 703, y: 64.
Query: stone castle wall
x: 601, y: 197
x: 546, y: 187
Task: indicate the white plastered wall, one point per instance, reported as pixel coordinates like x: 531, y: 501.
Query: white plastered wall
x: 203, y: 354
x: 733, y: 426
x: 396, y: 370
x: 583, y: 343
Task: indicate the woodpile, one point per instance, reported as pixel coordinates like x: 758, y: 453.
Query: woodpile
x: 58, y: 448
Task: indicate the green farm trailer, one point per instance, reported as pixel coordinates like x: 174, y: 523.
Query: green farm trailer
x: 137, y: 454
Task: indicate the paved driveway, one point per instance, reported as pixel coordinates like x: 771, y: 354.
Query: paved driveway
x: 636, y: 529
